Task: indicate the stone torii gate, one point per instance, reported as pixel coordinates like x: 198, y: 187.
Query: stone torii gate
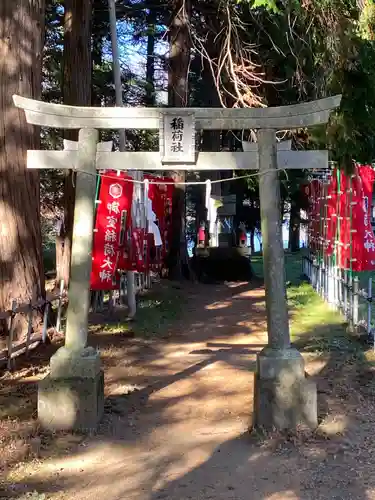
x: 71, y: 396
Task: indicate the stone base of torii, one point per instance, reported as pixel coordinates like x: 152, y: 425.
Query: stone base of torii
x: 71, y: 396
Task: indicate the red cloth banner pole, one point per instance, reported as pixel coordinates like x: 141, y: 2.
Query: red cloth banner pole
x: 357, y: 240
x: 363, y: 236
x: 111, y: 225
x: 345, y: 223
x: 161, y: 198
x: 331, y: 214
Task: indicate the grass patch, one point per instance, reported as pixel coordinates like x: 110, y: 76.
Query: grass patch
x: 293, y: 266
x: 315, y: 327
x: 157, y: 310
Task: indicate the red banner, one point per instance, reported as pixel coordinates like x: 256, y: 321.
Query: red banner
x: 331, y: 214
x: 161, y: 197
x: 357, y: 240
x: 348, y: 212
x: 113, y: 219
x: 344, y: 200
x: 139, y: 261
x: 363, y: 239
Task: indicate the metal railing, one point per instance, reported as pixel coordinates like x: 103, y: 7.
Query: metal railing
x: 351, y: 295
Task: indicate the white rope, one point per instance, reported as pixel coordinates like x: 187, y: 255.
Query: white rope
x: 190, y: 183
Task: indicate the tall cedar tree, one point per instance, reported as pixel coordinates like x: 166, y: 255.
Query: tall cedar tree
x: 21, y: 46
x: 178, y: 95
x: 76, y: 89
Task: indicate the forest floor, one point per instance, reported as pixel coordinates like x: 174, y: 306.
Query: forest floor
x: 179, y: 397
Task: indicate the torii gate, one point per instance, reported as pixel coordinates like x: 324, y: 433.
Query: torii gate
x: 71, y: 396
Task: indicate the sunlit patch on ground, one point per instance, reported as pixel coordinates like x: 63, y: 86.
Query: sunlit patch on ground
x: 218, y: 305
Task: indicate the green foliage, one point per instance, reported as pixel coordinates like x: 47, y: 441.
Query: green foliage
x: 351, y: 132
x: 270, y: 5
x: 367, y: 21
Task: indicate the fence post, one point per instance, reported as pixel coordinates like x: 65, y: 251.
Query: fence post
x: 355, y: 300
x: 343, y: 291
x: 350, y: 300
x: 331, y: 284
x: 313, y: 275
x: 34, y: 297
x: 29, y: 326
x: 369, y: 306
x: 336, y: 289
x: 303, y: 266
x: 45, y: 321
x: 59, y: 307
x: 10, y: 332
x: 346, y: 287
x: 309, y: 268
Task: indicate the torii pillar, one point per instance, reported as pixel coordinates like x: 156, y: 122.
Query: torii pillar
x: 284, y: 397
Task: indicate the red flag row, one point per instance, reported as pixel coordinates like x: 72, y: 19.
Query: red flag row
x: 340, y: 218
x: 117, y: 245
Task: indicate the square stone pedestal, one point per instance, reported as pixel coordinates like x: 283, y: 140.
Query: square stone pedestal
x: 71, y: 397
x: 284, y: 397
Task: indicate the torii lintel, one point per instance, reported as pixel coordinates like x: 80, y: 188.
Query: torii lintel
x: 76, y: 117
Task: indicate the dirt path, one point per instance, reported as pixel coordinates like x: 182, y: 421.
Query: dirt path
x: 183, y: 431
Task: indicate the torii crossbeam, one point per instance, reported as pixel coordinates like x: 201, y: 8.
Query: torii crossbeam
x: 284, y: 397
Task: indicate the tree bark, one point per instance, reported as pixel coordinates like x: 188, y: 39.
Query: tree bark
x: 99, y: 29
x: 76, y: 87
x: 150, y: 62
x: 21, y: 47
x: 211, y: 140
x: 178, y: 96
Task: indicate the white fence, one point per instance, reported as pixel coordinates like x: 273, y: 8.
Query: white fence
x: 351, y: 296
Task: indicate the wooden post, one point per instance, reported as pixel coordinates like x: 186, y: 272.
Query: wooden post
x: 79, y: 289
x: 369, y: 307
x: 273, y: 251
x: 59, y: 307
x: 355, y: 314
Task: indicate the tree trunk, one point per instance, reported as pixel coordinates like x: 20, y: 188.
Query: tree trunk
x: 150, y: 62
x: 294, y: 227
x: 178, y: 88
x: 100, y: 26
x: 21, y: 261
x: 211, y: 140
x: 76, y: 86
